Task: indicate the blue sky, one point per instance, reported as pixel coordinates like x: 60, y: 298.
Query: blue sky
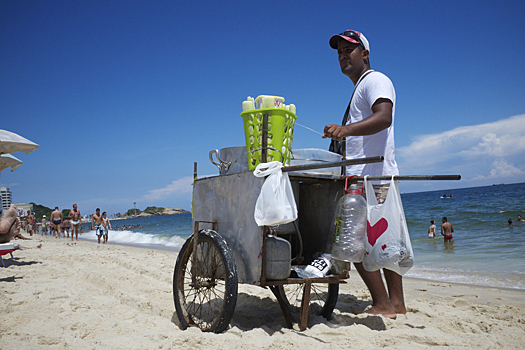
x: 123, y: 96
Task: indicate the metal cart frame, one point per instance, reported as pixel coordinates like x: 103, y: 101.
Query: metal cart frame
x: 227, y: 247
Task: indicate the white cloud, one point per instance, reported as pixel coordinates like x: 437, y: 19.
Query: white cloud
x: 176, y: 187
x: 486, y: 151
x: 501, y: 169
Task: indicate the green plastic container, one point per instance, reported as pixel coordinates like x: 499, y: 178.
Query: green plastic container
x: 281, y: 123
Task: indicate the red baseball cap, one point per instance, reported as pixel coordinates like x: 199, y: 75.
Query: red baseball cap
x: 351, y: 36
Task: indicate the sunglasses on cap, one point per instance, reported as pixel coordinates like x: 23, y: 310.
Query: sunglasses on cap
x: 353, y: 35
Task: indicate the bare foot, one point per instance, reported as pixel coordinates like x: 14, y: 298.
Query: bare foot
x: 9, y: 224
x: 400, y: 309
x: 384, y: 311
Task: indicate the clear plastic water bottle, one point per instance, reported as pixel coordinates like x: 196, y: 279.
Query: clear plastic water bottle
x: 350, y: 227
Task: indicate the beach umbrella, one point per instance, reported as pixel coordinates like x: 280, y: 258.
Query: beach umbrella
x: 7, y: 160
x: 11, y: 143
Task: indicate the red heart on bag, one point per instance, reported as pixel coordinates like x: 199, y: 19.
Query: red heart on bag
x: 383, y: 246
x: 374, y: 232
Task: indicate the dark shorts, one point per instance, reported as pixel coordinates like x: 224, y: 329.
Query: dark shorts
x: 448, y: 237
x: 57, y: 222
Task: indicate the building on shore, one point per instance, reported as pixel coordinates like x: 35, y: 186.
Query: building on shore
x: 6, y: 198
x: 23, y: 208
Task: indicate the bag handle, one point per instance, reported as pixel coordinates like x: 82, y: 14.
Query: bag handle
x: 351, y: 190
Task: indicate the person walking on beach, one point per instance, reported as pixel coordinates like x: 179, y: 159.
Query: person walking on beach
x: 368, y: 130
x: 66, y: 227
x: 432, y: 229
x: 44, y: 225
x: 56, y: 219
x: 107, y: 226
x: 29, y: 223
x: 76, y: 218
x: 446, y: 230
x: 96, y: 224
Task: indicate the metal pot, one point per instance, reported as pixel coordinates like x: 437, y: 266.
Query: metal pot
x: 230, y: 160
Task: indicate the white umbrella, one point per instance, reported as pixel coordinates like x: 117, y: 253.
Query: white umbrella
x: 7, y: 160
x: 11, y: 143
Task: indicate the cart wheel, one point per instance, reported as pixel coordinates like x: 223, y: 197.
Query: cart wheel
x: 205, y: 295
x: 323, y: 298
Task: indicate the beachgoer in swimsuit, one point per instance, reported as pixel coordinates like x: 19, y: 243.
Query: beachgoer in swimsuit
x: 66, y: 227
x: 29, y: 223
x: 75, y: 217
x: 432, y: 230
x: 56, y: 218
x: 44, y: 225
x: 446, y: 230
x: 96, y: 224
x: 107, y: 226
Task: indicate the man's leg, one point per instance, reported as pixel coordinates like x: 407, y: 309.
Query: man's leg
x: 394, y: 283
x: 381, y: 304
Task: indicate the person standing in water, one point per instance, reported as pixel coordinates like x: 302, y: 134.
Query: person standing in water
x: 432, y: 230
x: 446, y: 230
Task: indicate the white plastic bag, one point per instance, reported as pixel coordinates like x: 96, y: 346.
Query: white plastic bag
x: 276, y: 203
x: 387, y: 241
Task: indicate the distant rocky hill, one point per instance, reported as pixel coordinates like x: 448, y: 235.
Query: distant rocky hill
x: 154, y: 211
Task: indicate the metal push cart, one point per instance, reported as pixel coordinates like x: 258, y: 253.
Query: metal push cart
x: 227, y: 247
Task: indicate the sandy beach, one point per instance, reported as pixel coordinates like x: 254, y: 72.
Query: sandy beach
x: 90, y: 296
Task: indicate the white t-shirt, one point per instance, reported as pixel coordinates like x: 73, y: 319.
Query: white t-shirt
x: 374, y: 86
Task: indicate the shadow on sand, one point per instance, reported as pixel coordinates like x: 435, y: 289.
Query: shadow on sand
x: 256, y: 312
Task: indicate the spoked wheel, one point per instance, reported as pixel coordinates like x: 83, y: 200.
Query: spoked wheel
x: 323, y: 297
x: 205, y: 283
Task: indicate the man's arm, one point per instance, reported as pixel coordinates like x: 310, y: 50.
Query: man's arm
x: 380, y: 119
x: 451, y: 228
x: 442, y: 229
x: 92, y: 221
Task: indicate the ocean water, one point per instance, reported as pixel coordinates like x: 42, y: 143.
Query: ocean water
x: 166, y: 232
x: 486, y: 250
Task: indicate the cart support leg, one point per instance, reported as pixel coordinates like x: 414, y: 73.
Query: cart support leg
x: 305, y: 305
x: 288, y: 318
x: 194, y: 255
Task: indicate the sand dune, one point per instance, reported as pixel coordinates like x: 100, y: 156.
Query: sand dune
x: 90, y: 296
